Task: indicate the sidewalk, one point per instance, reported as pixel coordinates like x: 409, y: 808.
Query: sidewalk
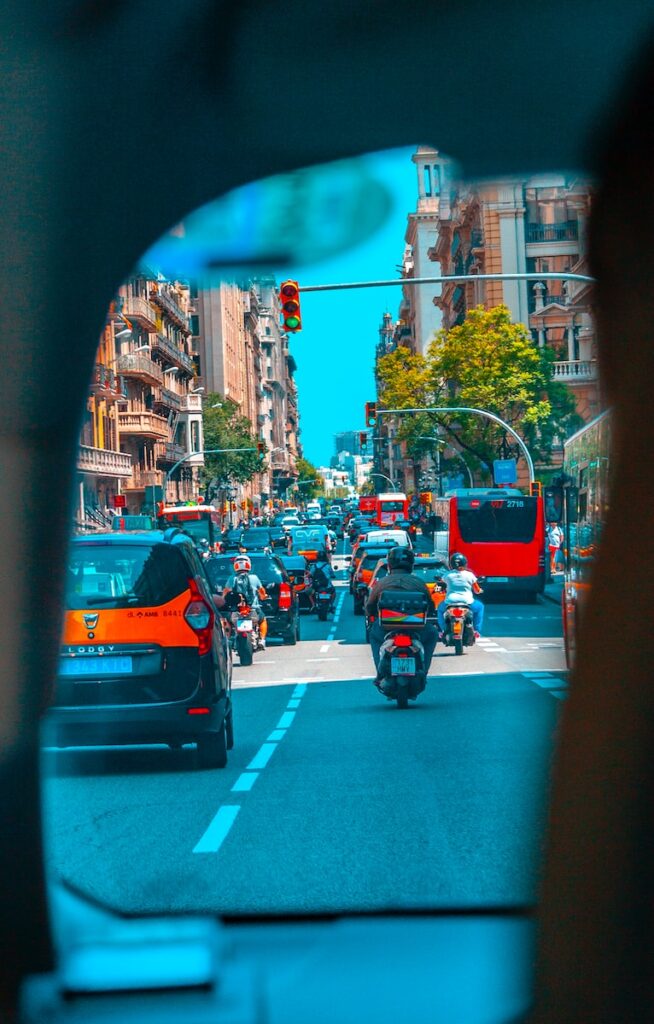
x: 554, y: 589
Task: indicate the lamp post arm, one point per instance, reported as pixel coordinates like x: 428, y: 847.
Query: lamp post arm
x: 477, y: 412
x: 206, y: 451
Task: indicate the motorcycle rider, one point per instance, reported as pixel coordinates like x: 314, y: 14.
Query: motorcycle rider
x: 462, y: 585
x: 400, y: 577
x: 247, y: 585
x: 322, y: 576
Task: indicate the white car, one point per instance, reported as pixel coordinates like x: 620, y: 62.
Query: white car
x: 289, y: 521
x: 401, y: 537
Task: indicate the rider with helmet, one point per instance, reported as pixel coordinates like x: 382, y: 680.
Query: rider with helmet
x: 400, y: 577
x: 247, y: 585
x: 462, y: 585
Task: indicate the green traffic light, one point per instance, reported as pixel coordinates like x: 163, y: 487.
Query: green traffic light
x: 292, y: 322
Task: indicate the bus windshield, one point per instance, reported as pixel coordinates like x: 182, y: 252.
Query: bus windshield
x: 508, y: 521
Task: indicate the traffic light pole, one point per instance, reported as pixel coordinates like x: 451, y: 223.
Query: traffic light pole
x: 441, y: 279
x: 476, y: 412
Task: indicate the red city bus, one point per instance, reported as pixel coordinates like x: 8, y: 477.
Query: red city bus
x: 390, y: 507
x: 367, y: 504
x: 200, y: 522
x: 501, y: 532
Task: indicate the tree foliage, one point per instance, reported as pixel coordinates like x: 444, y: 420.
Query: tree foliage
x: 307, y: 476
x: 225, y: 427
x: 488, y: 363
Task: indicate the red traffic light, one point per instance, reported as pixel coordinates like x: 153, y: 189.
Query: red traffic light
x: 289, y: 298
x: 371, y: 414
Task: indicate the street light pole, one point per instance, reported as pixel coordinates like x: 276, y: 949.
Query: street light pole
x: 440, y: 440
x: 191, y: 455
x: 477, y: 412
x: 384, y: 477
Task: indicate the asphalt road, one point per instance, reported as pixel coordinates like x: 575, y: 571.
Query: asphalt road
x: 333, y: 799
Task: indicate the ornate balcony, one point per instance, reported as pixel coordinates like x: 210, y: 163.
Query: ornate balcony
x: 575, y: 371
x: 135, y: 364
x: 166, y: 302
x: 106, y: 384
x: 568, y: 231
x: 191, y: 403
x: 143, y: 424
x: 103, y: 462
x: 142, y: 478
x: 141, y: 311
x: 171, y: 352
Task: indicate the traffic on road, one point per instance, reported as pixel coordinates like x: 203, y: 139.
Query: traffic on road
x: 274, y: 690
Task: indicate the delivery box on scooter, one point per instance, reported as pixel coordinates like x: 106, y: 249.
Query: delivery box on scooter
x: 402, y: 609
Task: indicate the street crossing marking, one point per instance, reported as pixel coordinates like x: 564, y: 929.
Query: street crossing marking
x: 218, y: 830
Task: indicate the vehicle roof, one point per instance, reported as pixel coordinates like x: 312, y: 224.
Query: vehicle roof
x: 293, y: 561
x: 133, y: 537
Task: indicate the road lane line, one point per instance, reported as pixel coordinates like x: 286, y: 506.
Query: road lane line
x: 300, y: 690
x: 262, y: 756
x: 218, y: 830
x: 311, y: 660
x: 245, y: 782
x: 286, y: 720
x: 294, y: 702
x: 276, y: 735
x: 324, y: 648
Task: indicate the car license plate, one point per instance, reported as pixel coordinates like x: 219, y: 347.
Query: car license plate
x: 403, y: 666
x: 244, y: 625
x: 106, y: 666
x: 497, y: 579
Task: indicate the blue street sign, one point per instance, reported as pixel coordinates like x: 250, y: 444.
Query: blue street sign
x: 505, y: 471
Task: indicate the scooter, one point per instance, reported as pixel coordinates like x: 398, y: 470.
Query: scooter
x: 459, y: 629
x: 323, y: 601
x: 402, y: 668
x: 244, y: 637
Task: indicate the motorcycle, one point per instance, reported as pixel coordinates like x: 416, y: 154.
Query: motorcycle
x: 459, y: 630
x: 323, y: 603
x: 402, y: 656
x: 244, y: 636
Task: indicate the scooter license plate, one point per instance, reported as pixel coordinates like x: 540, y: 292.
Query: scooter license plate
x: 326, y: 596
x: 244, y: 626
x: 403, y: 666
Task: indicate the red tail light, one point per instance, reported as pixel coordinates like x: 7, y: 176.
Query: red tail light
x: 200, y: 617
x: 198, y: 711
x: 458, y: 613
x: 285, y: 597
x: 402, y: 640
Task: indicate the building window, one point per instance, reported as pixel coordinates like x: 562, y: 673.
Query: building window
x: 426, y: 173
x: 436, y: 179
x: 195, y: 435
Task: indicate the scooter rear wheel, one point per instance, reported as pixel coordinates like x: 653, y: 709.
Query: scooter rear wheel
x: 458, y: 646
x: 402, y: 697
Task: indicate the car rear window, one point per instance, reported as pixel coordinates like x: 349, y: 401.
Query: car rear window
x: 256, y: 536
x: 124, y: 575
x: 429, y: 573
x: 220, y: 569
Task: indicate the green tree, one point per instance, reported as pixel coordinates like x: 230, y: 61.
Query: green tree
x: 489, y: 363
x: 225, y: 427
x: 307, y: 476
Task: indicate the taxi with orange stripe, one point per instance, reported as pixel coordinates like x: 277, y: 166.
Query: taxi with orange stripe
x: 144, y: 657
x: 431, y: 570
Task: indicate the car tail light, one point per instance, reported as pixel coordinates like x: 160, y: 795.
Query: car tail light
x: 198, y: 711
x: 402, y: 640
x: 458, y: 613
x: 285, y: 597
x: 200, y: 617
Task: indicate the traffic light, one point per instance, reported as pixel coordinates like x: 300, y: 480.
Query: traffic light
x: 262, y: 450
x: 289, y: 297
x: 363, y: 439
x: 536, y: 489
x: 371, y: 414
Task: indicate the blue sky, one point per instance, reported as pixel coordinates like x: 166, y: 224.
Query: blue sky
x: 335, y: 350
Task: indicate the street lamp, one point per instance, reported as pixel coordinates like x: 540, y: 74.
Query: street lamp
x: 384, y: 477
x: 197, y: 391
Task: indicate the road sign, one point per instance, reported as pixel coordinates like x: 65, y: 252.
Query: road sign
x: 119, y: 501
x: 505, y: 471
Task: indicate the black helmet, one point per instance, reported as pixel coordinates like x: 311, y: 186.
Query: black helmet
x: 400, y: 559
x: 458, y: 561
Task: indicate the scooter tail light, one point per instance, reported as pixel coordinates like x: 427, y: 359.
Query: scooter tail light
x: 285, y: 597
x: 458, y: 613
x: 402, y: 640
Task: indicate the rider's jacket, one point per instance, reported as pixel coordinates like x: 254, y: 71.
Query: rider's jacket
x: 395, y: 581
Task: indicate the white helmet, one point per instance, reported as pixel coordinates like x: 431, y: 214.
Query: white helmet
x: 242, y: 564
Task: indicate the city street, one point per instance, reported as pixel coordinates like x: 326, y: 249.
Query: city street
x: 332, y: 799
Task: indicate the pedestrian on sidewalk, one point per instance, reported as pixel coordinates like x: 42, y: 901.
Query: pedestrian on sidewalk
x: 554, y: 542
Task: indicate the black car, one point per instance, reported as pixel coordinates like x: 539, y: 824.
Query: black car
x: 144, y: 658
x: 256, y: 538
x: 278, y: 540
x: 296, y: 567
x: 231, y: 538
x: 358, y: 526
x: 280, y: 607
